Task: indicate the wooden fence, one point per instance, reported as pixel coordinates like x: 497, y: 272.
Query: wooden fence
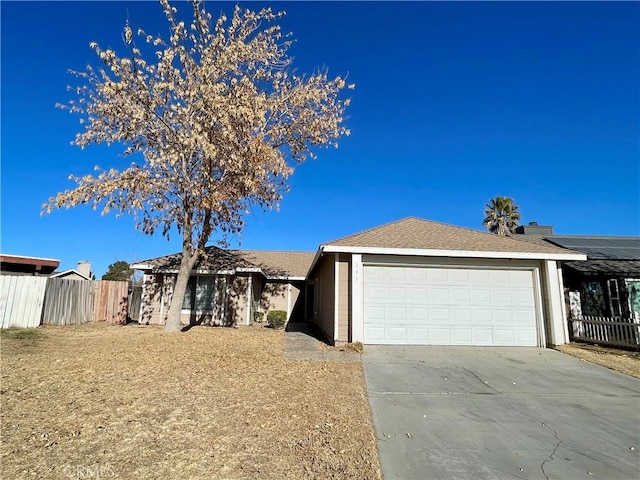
x: 27, y: 301
x: 616, y: 331
x: 21, y: 301
x: 110, y: 301
x: 67, y: 302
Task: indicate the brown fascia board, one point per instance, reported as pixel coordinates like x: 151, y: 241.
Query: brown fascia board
x: 37, y: 262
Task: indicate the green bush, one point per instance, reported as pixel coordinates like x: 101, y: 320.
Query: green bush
x: 277, y: 318
x: 258, y: 317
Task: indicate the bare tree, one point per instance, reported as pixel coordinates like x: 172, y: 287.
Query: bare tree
x: 220, y: 118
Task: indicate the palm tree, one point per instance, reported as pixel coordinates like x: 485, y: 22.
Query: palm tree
x: 501, y: 216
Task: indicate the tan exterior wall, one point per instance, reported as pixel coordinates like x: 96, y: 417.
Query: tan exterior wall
x: 267, y: 296
x: 325, y: 296
x: 276, y: 296
x: 237, y: 301
x: 151, y: 299
x: 344, y: 305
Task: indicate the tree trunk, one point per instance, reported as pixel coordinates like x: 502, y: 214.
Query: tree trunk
x: 175, y: 309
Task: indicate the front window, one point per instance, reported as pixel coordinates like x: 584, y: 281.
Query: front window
x: 200, y: 294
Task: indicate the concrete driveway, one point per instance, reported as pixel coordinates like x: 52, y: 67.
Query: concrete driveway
x: 501, y: 413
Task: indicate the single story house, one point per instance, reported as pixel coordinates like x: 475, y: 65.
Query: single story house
x: 82, y: 272
x: 411, y: 281
x: 226, y: 286
x: 415, y: 281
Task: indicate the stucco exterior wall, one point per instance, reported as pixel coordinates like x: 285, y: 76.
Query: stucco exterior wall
x: 268, y: 295
x: 152, y: 285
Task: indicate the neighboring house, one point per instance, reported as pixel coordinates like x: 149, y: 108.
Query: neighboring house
x: 419, y: 282
x: 83, y: 272
x: 22, y: 265
x: 607, y: 284
x: 408, y: 282
x: 226, y: 287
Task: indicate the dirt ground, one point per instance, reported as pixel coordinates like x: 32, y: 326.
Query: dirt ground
x: 101, y: 401
x: 620, y: 360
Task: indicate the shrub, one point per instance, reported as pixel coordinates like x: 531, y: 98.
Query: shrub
x: 258, y: 317
x: 277, y: 318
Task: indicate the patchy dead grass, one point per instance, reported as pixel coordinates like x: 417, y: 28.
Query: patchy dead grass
x: 619, y: 360
x: 134, y: 402
x: 355, y: 347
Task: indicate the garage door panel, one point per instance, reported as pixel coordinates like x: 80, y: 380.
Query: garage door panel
x: 440, y: 335
x: 523, y: 317
x: 397, y: 334
x: 525, y: 337
x: 522, y: 297
x: 418, y: 335
x: 438, y: 316
x: 437, y: 276
x: 500, y: 297
x: 417, y: 275
x: 503, y: 336
x: 417, y: 295
x: 479, y: 277
x: 461, y: 336
x: 375, y: 334
x: 373, y: 274
x: 480, y: 296
x: 481, y: 317
x: 521, y: 278
x: 462, y: 316
x: 374, y: 293
x: 438, y: 295
x: 449, y: 306
x: 482, y: 336
x: 396, y: 314
x: 461, y: 296
x: 498, y: 277
x: 396, y: 294
x: 374, y: 313
x: 418, y: 315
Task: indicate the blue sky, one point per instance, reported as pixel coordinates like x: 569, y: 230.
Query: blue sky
x: 455, y: 103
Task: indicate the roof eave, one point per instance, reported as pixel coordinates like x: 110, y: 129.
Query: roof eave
x: 419, y: 252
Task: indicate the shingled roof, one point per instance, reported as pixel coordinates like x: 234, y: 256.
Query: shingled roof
x: 417, y: 234
x: 291, y: 264
x: 272, y: 264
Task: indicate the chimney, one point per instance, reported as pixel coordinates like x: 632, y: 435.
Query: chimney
x: 84, y: 268
x: 534, y: 229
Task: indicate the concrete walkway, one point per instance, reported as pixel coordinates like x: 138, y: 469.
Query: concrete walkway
x: 302, y: 342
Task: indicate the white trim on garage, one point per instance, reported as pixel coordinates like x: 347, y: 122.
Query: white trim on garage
x: 451, y: 253
x: 548, y: 296
x: 357, y: 312
x: 555, y: 300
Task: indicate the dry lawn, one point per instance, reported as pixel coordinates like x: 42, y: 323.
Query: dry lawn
x: 615, y: 359
x: 100, y: 401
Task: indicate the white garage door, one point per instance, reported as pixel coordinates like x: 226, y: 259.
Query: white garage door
x: 449, y: 306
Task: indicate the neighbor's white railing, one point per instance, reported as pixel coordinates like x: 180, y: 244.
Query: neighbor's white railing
x: 617, y: 331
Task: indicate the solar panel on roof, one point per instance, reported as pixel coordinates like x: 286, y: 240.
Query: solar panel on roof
x: 603, y: 247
